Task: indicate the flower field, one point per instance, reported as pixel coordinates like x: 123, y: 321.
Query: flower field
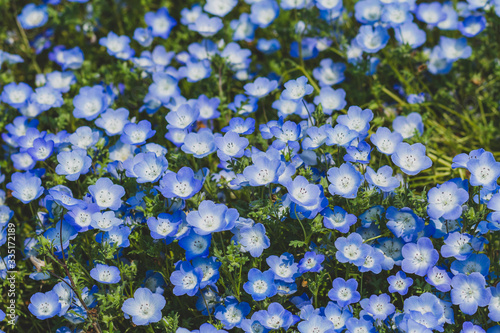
x: 312, y: 166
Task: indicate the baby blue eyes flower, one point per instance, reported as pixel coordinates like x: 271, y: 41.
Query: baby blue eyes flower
x: 105, y: 274
x: 199, y: 144
x: 382, y: 179
x: 46, y: 97
x: 117, y: 46
x: 315, y: 323
x: 446, y: 201
x: 25, y: 186
x: 408, y: 126
x: 297, y: 89
x: 338, y: 219
x: 263, y: 171
x: 165, y: 225
x: 461, y: 160
x: 211, y: 217
x: 220, y: 7
x: 41, y: 149
x: 145, y: 307
x: 16, y: 95
x: 352, y: 249
x: 45, y: 305
x: 457, y: 245
x: 160, y: 22
x: 411, y: 159
x: 385, y: 140
x: 302, y: 192
x: 113, y: 121
x: 357, y: 119
x: 454, y: 49
x: 408, y: 33
x: 33, y: 16
x: 469, y: 327
x: 311, y: 262
x: 137, y: 134
x: 469, y: 292
x: 240, y: 126
x: 344, y: 180
x: 263, y: 13
x: 372, y: 39
x: 253, y: 239
x: 232, y: 313
x: 331, y: 99
x: 344, y: 292
x: 284, y: 267
x: 260, y: 87
x: 164, y: 87
x: 276, y: 317
x: 144, y: 36
x: 90, y: 102
x: 186, y: 279
x: 368, y: 11
x: 146, y: 167
x: 182, y: 184
x: 230, y: 146
x: 430, y: 13
x: 206, y: 26
x: 195, y: 245
x: 260, y: 285
x: 419, y: 257
x: 106, y: 194
x: 399, y: 283
x: 484, y: 170
x: 105, y: 221
x: 404, y: 223
x: 73, y: 163
x: 439, y: 278
x: 359, y: 154
x: 378, y: 307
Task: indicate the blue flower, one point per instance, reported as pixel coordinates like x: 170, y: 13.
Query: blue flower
x: 439, y: 278
x: 297, y: 89
x: 372, y: 39
x: 479, y: 263
x: 419, y: 257
x: 211, y: 217
x: 186, y: 279
x: 44, y: 305
x: 368, y: 11
x: 164, y: 226
x: 137, y: 134
x: 396, y: 13
x: 41, y: 149
x: 113, y: 121
x: 240, y: 126
x: 46, y: 97
x: 260, y: 285
x: 461, y: 160
x: 73, y: 163
x: 230, y: 146
x: 260, y: 87
x: 344, y: 180
x: 411, y: 159
x: 195, y: 245
x: 284, y: 267
x: 404, y: 223
x: 90, y: 102
x: 243, y: 105
x: 105, y: 221
x: 144, y: 36
x: 399, y: 283
x: 484, y: 170
x: 494, y: 305
x: 331, y: 99
x: 276, y: 317
x: 263, y: 171
x: 379, y: 307
x: 16, y: 95
x: 469, y: 327
x: 160, y: 22
x: 382, y: 179
x: 145, y: 307
x: 117, y: 46
x: 338, y: 219
x: 219, y: 7
x: 352, y: 249
x: 409, y: 125
x: 182, y: 184
x: 454, y: 49
x: 263, y: 13
x: 358, y: 154
x: 316, y: 323
x: 360, y: 325
x: 105, y: 274
x: 25, y: 186
x: 311, y: 262
x: 469, y: 292
x: 446, y: 201
x: 357, y: 119
x: 329, y: 73
x: 210, y: 269
x: 253, y: 239
x: 232, y: 313
x: 33, y: 16
x: 199, y: 144
x: 457, y: 245
x: 106, y: 194
x: 206, y: 26
x: 302, y: 192
x: 164, y: 87
x: 344, y: 292
x: 340, y: 135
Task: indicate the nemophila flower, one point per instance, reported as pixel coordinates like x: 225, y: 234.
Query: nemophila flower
x: 189, y: 15
x: 408, y: 33
x: 454, y: 49
x: 16, y: 94
x: 90, y: 102
x: 199, y: 144
x: 494, y: 305
x: 351, y: 249
x: 41, y: 149
x: 344, y: 180
x: 117, y: 46
x: 284, y: 267
x: 163, y: 226
x: 457, y: 245
x: 302, y: 192
x: 316, y: 323
x: 378, y: 307
x: 461, y: 160
x: 207, y: 107
x: 243, y: 29
x: 329, y: 72
x: 355, y: 325
x: 23, y: 161
x: 144, y: 36
x: 331, y: 99
x: 106, y: 194
x: 263, y: 171
x: 33, y: 16
x: 195, y: 245
x: 373, y: 261
x: 73, y: 163
x: 261, y: 87
x: 46, y: 97
x: 446, y: 201
x: 219, y: 7
x: 260, y: 285
x: 408, y: 126
x: 469, y: 327
x: 469, y: 292
x: 186, y: 279
x: 81, y: 217
x: 297, y: 89
x: 61, y: 81
x: 137, y: 134
x: 116, y: 236
x: 113, y: 121
x: 316, y: 137
x: 439, y: 278
x: 164, y: 87
x: 211, y: 217
x: 276, y: 317
x: 253, y: 239
x: 230, y: 146
x: 338, y: 219
x: 268, y: 46
x: 147, y: 167
x: 368, y: 11
x: 287, y: 134
x: 372, y: 39
x: 105, y: 274
x: 263, y: 13
x: 25, y: 186
x: 232, y: 313
x: 206, y: 26
x: 472, y: 25
x: 210, y: 269
x: 430, y: 13
x: 182, y: 184
x: 411, y: 159
x: 396, y: 13
x: 399, y: 283
x: 160, y: 22
x: 240, y: 126
x: 382, y: 179
x: 145, y: 307
x: 195, y: 71
x: 419, y: 257
x: 357, y: 119
x: 484, y: 170
x: 105, y: 221
x: 358, y: 154
x: 344, y: 292
x: 479, y: 263
x: 340, y: 135
x: 84, y: 137
x: 404, y: 223
x: 44, y: 305
x: 337, y: 315
x: 311, y: 262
